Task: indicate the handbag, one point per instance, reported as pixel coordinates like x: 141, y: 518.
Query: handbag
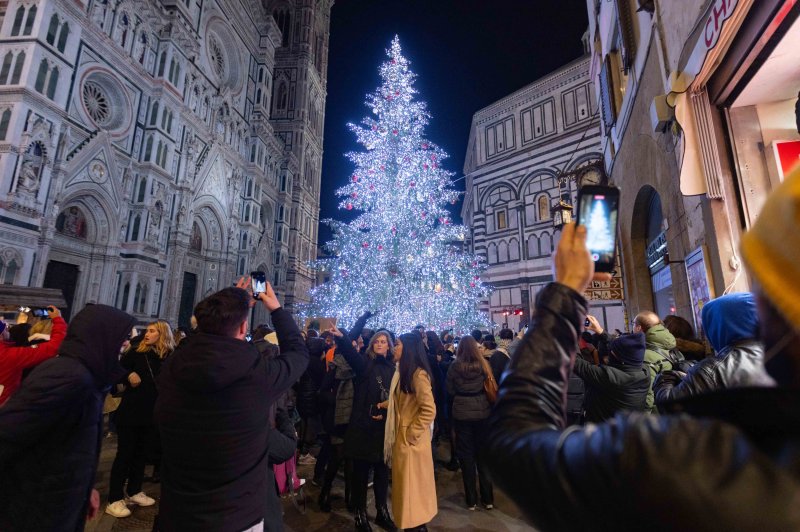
x: 490, y: 387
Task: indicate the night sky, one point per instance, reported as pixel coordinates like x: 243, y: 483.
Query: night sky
x: 466, y: 54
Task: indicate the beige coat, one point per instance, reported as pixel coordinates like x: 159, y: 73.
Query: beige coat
x: 413, y: 484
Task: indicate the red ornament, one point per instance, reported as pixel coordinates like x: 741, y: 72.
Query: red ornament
x: 427, y: 242
x: 374, y: 128
x: 425, y: 166
x: 477, y: 277
x: 349, y: 206
x: 474, y: 263
x: 389, y: 98
x: 394, y: 61
x: 435, y: 165
x: 380, y: 247
x: 397, y: 93
x: 355, y: 178
x: 383, y: 167
x: 372, y: 187
x: 424, y: 145
x: 441, y: 219
x: 394, y: 230
x: 412, y: 184
x: 395, y: 132
x: 424, y: 214
x: 354, y: 195
x: 472, y: 285
x: 452, y: 202
x: 370, y: 172
x: 433, y: 157
x: 365, y: 245
x: 405, y: 159
x: 447, y: 222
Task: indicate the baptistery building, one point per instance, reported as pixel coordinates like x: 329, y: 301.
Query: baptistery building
x: 153, y: 151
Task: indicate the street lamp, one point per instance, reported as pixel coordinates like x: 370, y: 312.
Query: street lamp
x: 562, y: 214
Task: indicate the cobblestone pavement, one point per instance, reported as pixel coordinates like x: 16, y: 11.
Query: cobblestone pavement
x: 453, y: 514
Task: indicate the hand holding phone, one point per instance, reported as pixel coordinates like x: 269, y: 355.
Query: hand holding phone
x: 259, y: 282
x: 598, y: 211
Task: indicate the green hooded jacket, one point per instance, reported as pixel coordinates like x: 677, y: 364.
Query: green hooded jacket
x: 659, y: 342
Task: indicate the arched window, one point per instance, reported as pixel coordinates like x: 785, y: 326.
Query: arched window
x: 142, y: 299
x: 159, y: 151
x: 143, y: 51
x: 62, y: 38
x: 137, y: 297
x: 125, y: 294
x: 162, y: 63
x: 52, y: 30
x: 29, y: 21
x: 5, y: 118
x: 171, y: 70
x: 243, y: 245
x: 154, y: 114
x: 258, y: 97
x: 491, y: 254
x: 18, y: 21
x: 241, y: 265
x: 502, y: 252
x: 547, y: 244
x: 544, y: 208
x: 169, y: 123
x: 142, y: 188
x: 137, y: 221
x: 6, y: 68
x: 284, y: 21
x: 41, y: 75
x: 513, y: 249
x: 18, y: 68
x: 247, y: 213
x: 249, y: 188
x: 533, y: 246
x: 148, y: 150
x: 11, y: 272
x: 283, y: 96
x: 52, y: 84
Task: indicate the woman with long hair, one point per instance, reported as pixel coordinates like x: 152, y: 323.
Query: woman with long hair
x: 134, y: 417
x: 471, y: 409
x: 364, y: 438
x: 407, y: 446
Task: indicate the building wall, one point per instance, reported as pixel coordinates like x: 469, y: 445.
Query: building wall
x: 519, y: 147
x: 154, y: 151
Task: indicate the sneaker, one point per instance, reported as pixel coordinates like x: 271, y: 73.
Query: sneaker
x: 307, y: 459
x: 118, y: 509
x: 142, y: 500
x: 489, y: 506
x: 473, y: 507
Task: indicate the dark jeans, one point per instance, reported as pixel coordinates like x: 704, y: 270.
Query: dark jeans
x: 132, y: 444
x: 470, y: 437
x: 335, y: 460
x: 380, y: 483
x: 323, y: 457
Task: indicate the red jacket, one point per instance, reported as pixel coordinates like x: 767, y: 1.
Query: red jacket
x: 14, y: 360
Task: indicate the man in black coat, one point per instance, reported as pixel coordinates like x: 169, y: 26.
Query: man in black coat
x: 215, y: 393
x: 620, y: 385
x: 51, y: 428
x: 732, y: 466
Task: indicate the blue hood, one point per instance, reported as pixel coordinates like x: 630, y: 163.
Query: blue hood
x: 730, y: 319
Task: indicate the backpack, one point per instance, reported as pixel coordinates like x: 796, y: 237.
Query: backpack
x: 674, y: 357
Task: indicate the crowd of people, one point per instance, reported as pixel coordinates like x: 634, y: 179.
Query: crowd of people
x: 686, y: 431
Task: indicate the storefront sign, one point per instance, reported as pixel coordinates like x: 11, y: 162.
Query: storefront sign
x: 787, y: 156
x: 719, y: 12
x: 656, y: 249
x: 699, y: 277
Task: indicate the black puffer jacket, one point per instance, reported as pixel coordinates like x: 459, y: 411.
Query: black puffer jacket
x: 51, y: 428
x: 734, y: 466
x: 465, y: 385
x: 612, y: 388
x: 739, y: 366
x: 308, y: 386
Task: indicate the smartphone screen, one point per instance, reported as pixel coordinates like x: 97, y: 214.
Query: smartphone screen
x: 40, y: 312
x: 259, y: 280
x: 598, y: 210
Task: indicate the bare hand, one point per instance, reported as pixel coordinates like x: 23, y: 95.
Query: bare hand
x: 245, y: 284
x: 53, y: 312
x: 269, y: 299
x: 594, y: 325
x: 384, y: 405
x: 336, y: 332
x: 94, y: 505
x: 573, y: 263
x: 134, y: 379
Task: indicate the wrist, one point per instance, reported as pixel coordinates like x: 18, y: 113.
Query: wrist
x: 273, y: 310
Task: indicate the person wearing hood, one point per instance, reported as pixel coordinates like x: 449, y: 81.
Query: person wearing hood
x: 471, y: 409
x: 212, y: 411
x: 51, y: 428
x: 659, y: 344
x: 731, y: 326
x: 19, y: 355
x: 620, y: 385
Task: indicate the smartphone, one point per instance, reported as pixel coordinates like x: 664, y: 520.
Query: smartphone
x: 598, y: 210
x: 374, y: 411
x: 587, y: 323
x: 40, y: 312
x: 259, y: 280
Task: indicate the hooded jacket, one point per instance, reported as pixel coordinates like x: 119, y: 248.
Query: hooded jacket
x: 731, y: 324
x: 732, y: 466
x: 659, y: 342
x: 51, y: 428
x: 212, y: 412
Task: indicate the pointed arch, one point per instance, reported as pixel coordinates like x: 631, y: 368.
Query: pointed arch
x: 31, y: 18
x: 513, y: 249
x: 6, y: 68
x: 491, y: 253
x: 52, y: 30
x: 63, y: 36
x: 15, y: 76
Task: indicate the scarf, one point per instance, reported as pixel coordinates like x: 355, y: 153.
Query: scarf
x: 390, y: 432
x: 502, y: 346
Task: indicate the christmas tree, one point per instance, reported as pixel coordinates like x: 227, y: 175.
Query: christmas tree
x: 599, y: 238
x: 402, y: 255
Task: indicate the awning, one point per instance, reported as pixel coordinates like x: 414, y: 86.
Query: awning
x: 13, y: 297
x: 712, y: 38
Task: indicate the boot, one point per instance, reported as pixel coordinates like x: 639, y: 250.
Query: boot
x: 362, y: 521
x: 384, y: 520
x: 348, y: 500
x: 324, y: 500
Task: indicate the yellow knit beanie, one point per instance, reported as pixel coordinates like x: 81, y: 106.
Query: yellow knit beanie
x: 771, y: 249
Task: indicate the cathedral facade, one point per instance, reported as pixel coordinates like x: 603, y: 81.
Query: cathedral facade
x: 152, y: 151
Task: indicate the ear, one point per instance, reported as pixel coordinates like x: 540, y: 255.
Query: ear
x: 242, y: 330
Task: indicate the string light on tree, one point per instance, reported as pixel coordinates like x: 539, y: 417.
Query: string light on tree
x: 403, y: 253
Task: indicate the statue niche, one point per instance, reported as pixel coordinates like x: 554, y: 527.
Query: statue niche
x: 71, y: 222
